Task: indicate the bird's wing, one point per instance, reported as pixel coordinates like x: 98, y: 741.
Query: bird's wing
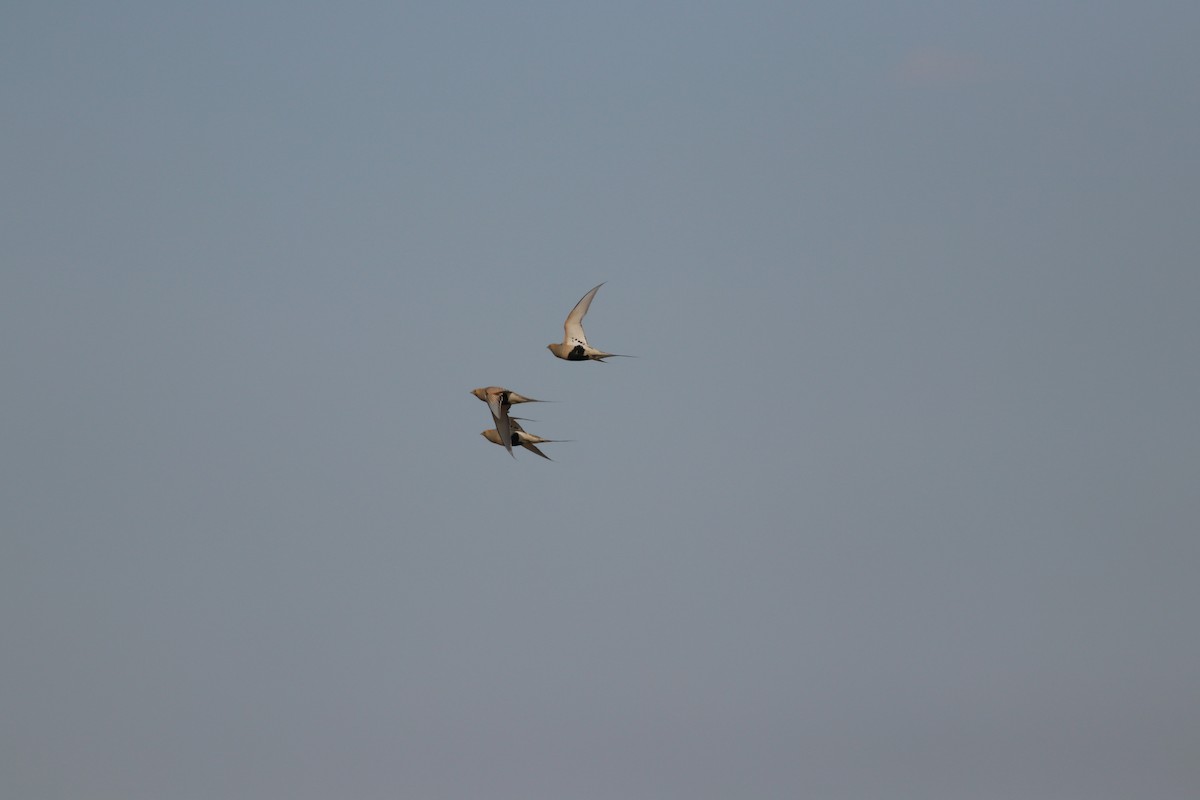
x: 503, y: 423
x: 503, y: 428
x: 533, y: 448
x: 573, y: 327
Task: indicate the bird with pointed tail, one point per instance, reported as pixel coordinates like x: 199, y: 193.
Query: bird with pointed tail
x: 499, y: 401
x: 574, y: 346
x: 520, y: 437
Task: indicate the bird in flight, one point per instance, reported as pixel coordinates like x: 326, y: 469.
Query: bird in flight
x: 499, y: 401
x: 520, y: 437
x: 574, y: 346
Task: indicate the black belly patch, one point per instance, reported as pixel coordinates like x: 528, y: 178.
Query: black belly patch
x: 577, y: 354
x: 516, y: 439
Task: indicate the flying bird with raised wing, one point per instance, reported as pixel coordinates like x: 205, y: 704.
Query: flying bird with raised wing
x: 520, y: 437
x: 574, y: 346
x: 499, y: 401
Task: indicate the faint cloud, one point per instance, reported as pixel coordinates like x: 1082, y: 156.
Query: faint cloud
x: 935, y: 66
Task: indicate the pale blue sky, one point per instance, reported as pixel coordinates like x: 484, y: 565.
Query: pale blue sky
x: 898, y: 500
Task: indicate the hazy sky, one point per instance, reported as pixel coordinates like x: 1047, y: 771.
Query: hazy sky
x: 899, y: 500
